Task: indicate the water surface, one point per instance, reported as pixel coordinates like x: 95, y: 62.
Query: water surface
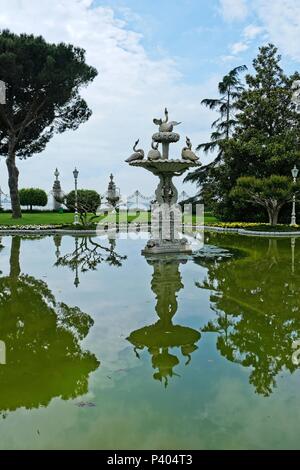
x: 106, y: 349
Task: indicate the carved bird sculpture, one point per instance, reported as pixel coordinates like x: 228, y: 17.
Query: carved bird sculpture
x: 154, y: 154
x: 187, y: 153
x: 165, y: 126
x: 137, y: 155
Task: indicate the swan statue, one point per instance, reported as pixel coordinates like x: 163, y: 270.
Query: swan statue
x: 165, y: 126
x: 154, y: 154
x: 137, y: 155
x: 187, y: 153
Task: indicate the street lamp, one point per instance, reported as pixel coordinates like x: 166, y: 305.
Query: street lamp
x: 76, y: 173
x: 295, y: 172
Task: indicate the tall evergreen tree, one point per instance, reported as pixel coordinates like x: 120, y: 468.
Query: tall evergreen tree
x: 229, y: 89
x: 265, y: 140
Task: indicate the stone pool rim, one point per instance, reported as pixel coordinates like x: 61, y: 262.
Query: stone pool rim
x: 208, y: 228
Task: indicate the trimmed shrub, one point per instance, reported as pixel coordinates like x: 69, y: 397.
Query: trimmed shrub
x: 33, y: 197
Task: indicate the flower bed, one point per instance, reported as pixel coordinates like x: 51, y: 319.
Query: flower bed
x: 257, y: 226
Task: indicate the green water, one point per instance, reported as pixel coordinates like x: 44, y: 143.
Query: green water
x: 108, y: 350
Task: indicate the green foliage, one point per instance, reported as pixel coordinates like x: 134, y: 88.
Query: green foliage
x: 88, y: 201
x: 33, y: 197
x: 43, y: 83
x: 229, y: 89
x: 42, y: 97
x: 271, y: 193
x: 265, y: 140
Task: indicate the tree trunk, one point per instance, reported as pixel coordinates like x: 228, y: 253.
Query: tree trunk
x: 227, y: 113
x: 13, y: 178
x: 15, y: 257
x: 273, y: 216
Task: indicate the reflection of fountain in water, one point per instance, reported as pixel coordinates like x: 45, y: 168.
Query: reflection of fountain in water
x: 164, y: 335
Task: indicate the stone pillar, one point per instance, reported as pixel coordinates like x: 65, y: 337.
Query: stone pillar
x: 56, y: 191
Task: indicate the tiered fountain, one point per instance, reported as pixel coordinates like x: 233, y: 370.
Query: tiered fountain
x: 166, y: 216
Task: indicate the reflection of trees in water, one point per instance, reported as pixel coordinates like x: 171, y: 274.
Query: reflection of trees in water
x: 256, y: 300
x: 44, y: 357
x: 87, y: 254
x: 163, y: 335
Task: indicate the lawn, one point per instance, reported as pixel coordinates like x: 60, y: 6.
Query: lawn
x: 53, y: 218
x: 41, y: 218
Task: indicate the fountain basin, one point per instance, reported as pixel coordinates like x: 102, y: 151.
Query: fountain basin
x: 176, y: 167
x: 166, y: 137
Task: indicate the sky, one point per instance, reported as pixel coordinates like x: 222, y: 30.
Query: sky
x: 149, y: 54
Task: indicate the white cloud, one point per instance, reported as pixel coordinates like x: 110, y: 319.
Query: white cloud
x: 252, y: 31
x: 233, y: 10
x: 130, y: 90
x: 249, y: 34
x: 238, y: 47
x: 281, y: 20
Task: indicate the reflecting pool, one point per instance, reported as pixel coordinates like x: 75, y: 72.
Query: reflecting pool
x: 102, y: 348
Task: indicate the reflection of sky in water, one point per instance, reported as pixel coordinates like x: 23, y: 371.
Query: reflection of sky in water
x: 211, y: 404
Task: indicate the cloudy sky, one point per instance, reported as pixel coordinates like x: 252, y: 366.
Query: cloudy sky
x: 149, y: 54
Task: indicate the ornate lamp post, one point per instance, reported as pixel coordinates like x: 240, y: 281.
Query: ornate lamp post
x: 295, y: 172
x: 76, y: 173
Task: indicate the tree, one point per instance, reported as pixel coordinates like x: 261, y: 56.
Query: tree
x: 264, y: 141
x: 88, y: 202
x: 271, y: 193
x: 265, y: 106
x: 230, y: 89
x: 43, y: 81
x: 33, y: 197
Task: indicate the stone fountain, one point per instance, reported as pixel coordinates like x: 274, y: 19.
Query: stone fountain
x: 166, y: 216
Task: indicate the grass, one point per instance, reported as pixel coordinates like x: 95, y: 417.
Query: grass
x: 53, y: 218
x: 67, y: 219
x: 41, y: 218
